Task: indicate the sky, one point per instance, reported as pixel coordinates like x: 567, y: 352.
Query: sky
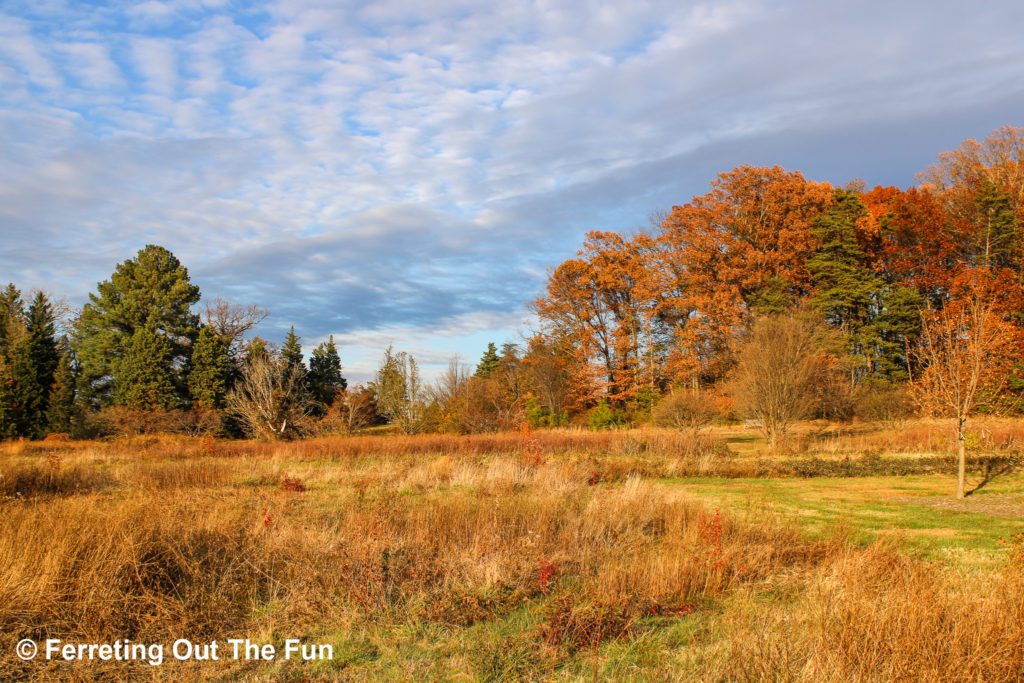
x: 409, y: 172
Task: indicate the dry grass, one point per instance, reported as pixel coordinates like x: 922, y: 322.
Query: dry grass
x: 562, y: 547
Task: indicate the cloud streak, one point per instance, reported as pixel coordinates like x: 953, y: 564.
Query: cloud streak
x: 362, y: 167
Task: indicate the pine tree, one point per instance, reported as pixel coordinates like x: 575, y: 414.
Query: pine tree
x: 208, y: 371
x: 44, y: 355
x: 145, y: 372
x: 26, y: 399
x: 257, y: 348
x: 996, y: 241
x: 774, y: 296
x: 12, y: 308
x: 151, y: 292
x: 488, y: 362
x: 846, y: 291
x: 324, y: 378
x: 60, y: 411
x: 291, y: 352
x: 896, y: 329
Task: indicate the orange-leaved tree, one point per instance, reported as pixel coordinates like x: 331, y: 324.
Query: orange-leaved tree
x: 968, y: 350
x: 749, y: 235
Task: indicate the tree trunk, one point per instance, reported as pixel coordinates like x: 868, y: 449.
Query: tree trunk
x: 961, y: 480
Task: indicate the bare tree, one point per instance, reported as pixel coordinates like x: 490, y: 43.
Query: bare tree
x: 355, y: 405
x: 231, y: 321
x: 450, y: 394
x: 968, y: 350
x: 352, y: 410
x: 270, y: 398
x: 685, y: 409
x: 401, y: 396
x: 779, y: 370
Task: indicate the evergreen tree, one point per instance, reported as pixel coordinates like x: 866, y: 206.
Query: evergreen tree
x: 26, y: 399
x: 145, y: 372
x: 291, y: 352
x: 324, y: 378
x: 846, y: 291
x: 896, y: 328
x: 996, y: 241
x: 257, y: 348
x: 150, y: 293
x: 60, y: 411
x: 488, y: 362
x: 12, y: 308
x: 208, y: 370
x: 44, y: 354
x: 774, y: 296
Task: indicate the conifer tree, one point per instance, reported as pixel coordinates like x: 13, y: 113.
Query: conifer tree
x: 12, y: 308
x: 324, y: 378
x: 257, y: 349
x: 145, y: 372
x: 774, y: 296
x: 44, y: 354
x: 996, y: 241
x: 60, y: 411
x: 488, y: 362
x: 896, y: 329
x: 208, y: 371
x: 846, y: 291
x: 291, y: 351
x: 151, y: 291
x: 25, y: 398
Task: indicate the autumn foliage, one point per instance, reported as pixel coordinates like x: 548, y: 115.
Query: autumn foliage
x: 641, y: 313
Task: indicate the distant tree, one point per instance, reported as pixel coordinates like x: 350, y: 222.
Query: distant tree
x: 209, y: 369
x: 258, y: 348
x: 44, y: 354
x: 324, y: 378
x: 401, y: 396
x: 488, y: 362
x: 356, y: 408
x: 270, y: 400
x: 845, y: 290
x: 12, y: 309
x: 21, y: 395
x: 231, y: 321
x: 150, y: 294
x: 779, y: 369
x: 896, y: 329
x: 8, y: 408
x: 450, y: 397
x: 996, y: 235
x: 774, y: 296
x: 999, y: 159
x: 61, y: 410
x: 683, y: 408
x: 291, y: 350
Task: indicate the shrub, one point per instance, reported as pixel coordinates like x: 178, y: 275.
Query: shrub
x: 603, y: 416
x: 683, y: 409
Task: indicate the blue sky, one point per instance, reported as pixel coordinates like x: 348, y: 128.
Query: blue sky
x: 408, y: 172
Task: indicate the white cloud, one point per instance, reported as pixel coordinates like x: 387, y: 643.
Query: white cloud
x: 390, y: 165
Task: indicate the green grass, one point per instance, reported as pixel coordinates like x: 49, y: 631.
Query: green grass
x: 873, y: 507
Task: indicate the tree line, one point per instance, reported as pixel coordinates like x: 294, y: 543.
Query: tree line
x: 641, y: 315
x: 138, y: 356
x: 858, y: 291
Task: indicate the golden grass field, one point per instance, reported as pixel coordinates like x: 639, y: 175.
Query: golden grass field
x: 560, y: 555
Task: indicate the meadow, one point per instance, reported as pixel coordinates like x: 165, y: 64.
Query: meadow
x: 541, y: 555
